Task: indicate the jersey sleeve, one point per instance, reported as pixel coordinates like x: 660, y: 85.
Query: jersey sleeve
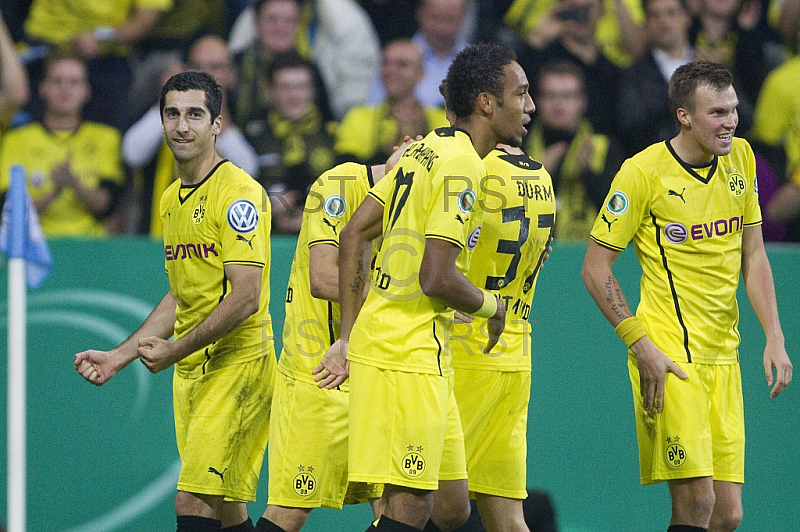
x: 454, y: 199
x: 752, y: 215
x: 244, y: 220
x: 626, y: 204
x: 331, y: 202
x: 382, y: 191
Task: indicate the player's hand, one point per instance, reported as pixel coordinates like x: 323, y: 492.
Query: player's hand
x: 653, y: 367
x: 548, y: 249
x: 777, y: 359
x: 397, y: 151
x: 85, y: 45
x: 156, y: 353
x: 460, y: 317
x: 96, y: 367
x: 496, y: 324
x: 334, y: 368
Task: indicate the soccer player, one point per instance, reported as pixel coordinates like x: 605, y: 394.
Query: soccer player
x: 216, y: 240
x: 427, y: 211
x: 690, y: 205
x: 493, y: 389
x: 309, y: 434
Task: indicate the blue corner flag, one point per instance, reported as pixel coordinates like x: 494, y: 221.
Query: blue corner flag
x: 20, y: 233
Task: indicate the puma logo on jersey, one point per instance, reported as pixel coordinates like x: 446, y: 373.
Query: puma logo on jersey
x: 673, y: 193
x: 243, y: 239
x: 221, y: 475
x: 606, y: 220
x: 329, y: 224
x: 460, y: 219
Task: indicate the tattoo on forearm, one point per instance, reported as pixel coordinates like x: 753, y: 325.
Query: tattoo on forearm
x: 357, y: 287
x: 615, y: 298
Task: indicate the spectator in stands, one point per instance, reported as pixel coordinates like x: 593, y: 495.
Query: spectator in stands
x: 343, y: 44
x: 293, y: 141
x: 101, y: 32
x: 277, y: 31
x: 145, y: 151
x: 368, y: 133
x: 577, y: 42
x: 776, y: 129
x: 168, y: 40
x: 73, y: 168
x: 620, y: 33
x: 581, y: 162
x: 785, y: 207
x: 438, y: 39
x: 725, y: 32
x: 642, y: 111
x: 14, y: 89
x: 784, y: 18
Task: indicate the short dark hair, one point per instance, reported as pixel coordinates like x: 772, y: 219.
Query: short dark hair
x: 562, y: 67
x: 289, y: 59
x: 195, y: 80
x: 688, y: 77
x: 683, y: 4
x: 476, y: 69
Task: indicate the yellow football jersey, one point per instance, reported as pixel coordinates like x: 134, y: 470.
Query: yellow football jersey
x: 686, y: 224
x: 94, y: 154
x: 518, y: 219
x: 432, y: 193
x: 224, y: 219
x: 312, y: 325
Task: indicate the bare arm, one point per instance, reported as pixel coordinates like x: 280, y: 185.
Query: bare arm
x: 87, y: 44
x: 14, y: 90
x: 440, y: 279
x: 789, y: 23
x: 602, y: 285
x: 785, y: 204
x: 97, y: 200
x: 323, y: 271
x: 238, y: 305
x: 137, y: 26
x: 634, y: 37
x: 760, y: 287
x: 354, y: 246
x: 98, y: 367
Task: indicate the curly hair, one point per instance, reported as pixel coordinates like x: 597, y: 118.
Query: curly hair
x: 194, y: 80
x: 478, y: 68
x: 687, y: 78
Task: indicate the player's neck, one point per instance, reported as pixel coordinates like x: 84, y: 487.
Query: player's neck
x: 57, y: 122
x: 689, y: 151
x: 482, y: 136
x: 193, y: 171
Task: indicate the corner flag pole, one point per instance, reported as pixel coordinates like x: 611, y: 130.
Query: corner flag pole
x: 29, y: 262
x: 16, y: 395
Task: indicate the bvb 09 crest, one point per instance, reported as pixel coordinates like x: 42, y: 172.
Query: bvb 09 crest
x: 413, y: 463
x: 304, y: 483
x: 199, y: 213
x: 675, y: 455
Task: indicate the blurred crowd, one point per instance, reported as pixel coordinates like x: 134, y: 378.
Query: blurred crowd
x: 311, y: 83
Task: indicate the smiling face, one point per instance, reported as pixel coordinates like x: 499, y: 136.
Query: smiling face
x: 277, y: 24
x: 709, y: 127
x: 402, y: 69
x: 512, y: 111
x: 187, y: 125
